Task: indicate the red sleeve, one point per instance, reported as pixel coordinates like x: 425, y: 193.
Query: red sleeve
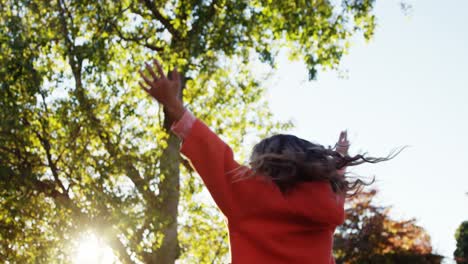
x: 183, y: 126
x: 212, y: 158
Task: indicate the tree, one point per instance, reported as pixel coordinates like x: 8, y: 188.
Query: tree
x: 369, y: 235
x: 82, y: 148
x: 461, y: 235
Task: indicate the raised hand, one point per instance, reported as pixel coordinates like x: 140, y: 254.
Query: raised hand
x: 342, y: 145
x: 166, y: 91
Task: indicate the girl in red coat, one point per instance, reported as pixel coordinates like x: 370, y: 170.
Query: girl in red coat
x: 285, y: 206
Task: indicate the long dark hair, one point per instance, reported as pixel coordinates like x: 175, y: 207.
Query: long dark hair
x: 288, y: 160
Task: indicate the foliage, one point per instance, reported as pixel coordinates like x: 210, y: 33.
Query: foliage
x: 461, y: 235
x: 413, y: 258
x: 369, y: 235
x: 82, y: 148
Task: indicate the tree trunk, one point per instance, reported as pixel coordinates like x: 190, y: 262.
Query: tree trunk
x: 169, y: 195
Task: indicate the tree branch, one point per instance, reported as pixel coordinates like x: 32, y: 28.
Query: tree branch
x: 199, y: 23
x: 137, y: 40
x: 166, y: 22
x: 218, y: 250
x: 53, y: 168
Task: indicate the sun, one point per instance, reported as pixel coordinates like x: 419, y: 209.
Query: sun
x: 92, y: 250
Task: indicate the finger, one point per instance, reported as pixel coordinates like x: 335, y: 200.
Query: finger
x: 344, y: 136
x: 172, y: 75
x: 160, y: 70
x: 147, y: 80
x: 177, y: 74
x: 150, y: 70
x: 144, y: 87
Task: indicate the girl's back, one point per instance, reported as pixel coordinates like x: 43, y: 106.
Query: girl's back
x: 272, y: 227
x: 265, y: 224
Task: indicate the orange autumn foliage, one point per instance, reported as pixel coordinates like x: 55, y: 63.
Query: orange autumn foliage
x: 369, y: 231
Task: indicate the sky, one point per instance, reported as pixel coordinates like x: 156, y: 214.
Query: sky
x: 407, y: 86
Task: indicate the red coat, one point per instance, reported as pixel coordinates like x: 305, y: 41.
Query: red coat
x: 265, y: 226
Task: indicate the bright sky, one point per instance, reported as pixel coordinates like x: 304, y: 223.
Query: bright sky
x: 408, y: 86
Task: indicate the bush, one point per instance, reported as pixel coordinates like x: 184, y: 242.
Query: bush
x: 461, y: 235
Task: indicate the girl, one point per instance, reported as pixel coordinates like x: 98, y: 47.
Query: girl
x: 286, y: 206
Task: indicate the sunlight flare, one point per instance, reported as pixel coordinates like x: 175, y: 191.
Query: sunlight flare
x: 92, y: 250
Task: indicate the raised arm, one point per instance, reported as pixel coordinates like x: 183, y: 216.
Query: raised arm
x: 211, y: 157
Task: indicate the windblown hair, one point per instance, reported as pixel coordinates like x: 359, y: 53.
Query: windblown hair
x: 289, y: 160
